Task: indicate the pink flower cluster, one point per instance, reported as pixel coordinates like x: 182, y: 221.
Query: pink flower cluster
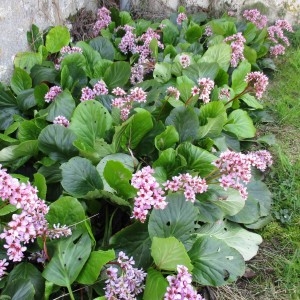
x: 258, y: 81
x: 61, y: 120
x: 184, y: 60
x: 204, y: 88
x: 125, y: 101
x: 126, y: 285
x: 189, y: 184
x: 3, y: 265
x: 173, y: 92
x: 180, y: 18
x: 30, y: 223
x: 53, y: 92
x: 235, y: 168
x: 237, y: 46
x: 149, y: 193
x: 103, y: 20
x: 180, y: 286
x: 254, y: 16
x: 224, y: 94
x: 208, y: 31
x: 98, y: 89
x: 128, y: 41
x: 276, y: 35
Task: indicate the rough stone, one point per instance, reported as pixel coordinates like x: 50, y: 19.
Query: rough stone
x: 16, y: 18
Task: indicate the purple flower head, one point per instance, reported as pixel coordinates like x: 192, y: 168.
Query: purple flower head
x: 61, y: 120
x: 184, y: 60
x: 259, y: 81
x: 87, y: 94
x: 255, y: 17
x: 103, y: 20
x: 100, y: 88
x: 53, y: 92
x: 172, y: 91
x: 237, y: 46
x: 204, y: 88
x: 180, y: 18
x: 180, y: 286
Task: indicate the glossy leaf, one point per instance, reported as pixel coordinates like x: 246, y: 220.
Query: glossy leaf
x: 215, y: 263
x: 79, y: 177
x: 156, y: 285
x: 166, y: 139
x: 168, y: 253
x: 20, y: 81
x: 57, y: 38
x: 117, y: 74
x: 68, y: 260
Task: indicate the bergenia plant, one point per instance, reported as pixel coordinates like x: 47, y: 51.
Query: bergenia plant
x: 126, y: 171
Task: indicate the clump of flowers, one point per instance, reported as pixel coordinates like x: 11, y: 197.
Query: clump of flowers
x: 125, y: 282
x: 61, y: 120
x: 184, y: 60
x: 189, y: 184
x: 258, y: 81
x: 276, y: 35
x: 173, y: 92
x: 125, y: 101
x: 237, y: 46
x: 149, y: 193
x: 180, y: 18
x: 128, y: 41
x: 87, y: 94
x: 204, y: 88
x: 103, y: 20
x: 53, y: 92
x: 30, y: 223
x: 100, y: 88
x: 235, y: 168
x: 180, y: 286
x: 224, y: 94
x: 208, y: 31
x: 3, y: 265
x: 255, y: 17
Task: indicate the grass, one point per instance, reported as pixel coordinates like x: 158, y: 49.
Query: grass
x: 276, y: 268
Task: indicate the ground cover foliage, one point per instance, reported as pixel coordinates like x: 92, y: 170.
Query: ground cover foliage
x: 138, y: 143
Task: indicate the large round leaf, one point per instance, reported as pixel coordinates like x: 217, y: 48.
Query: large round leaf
x: 177, y: 219
x: 57, y: 38
x: 57, y: 141
x: 79, y: 177
x: 117, y: 74
x: 215, y: 263
x: 156, y: 285
x: 90, y: 121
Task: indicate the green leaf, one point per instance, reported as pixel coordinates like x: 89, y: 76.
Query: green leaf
x: 184, y: 85
x: 177, y: 219
x: 63, y: 105
x: 215, y: 263
x: 34, y: 38
x: 93, y: 266
x: 57, y: 38
x: 250, y: 54
x: 68, y: 260
x: 25, y: 272
x: 79, y: 177
x: 168, y: 253
x: 156, y: 285
x: 104, y: 47
x: 240, y: 124
x: 212, y: 118
x: 28, y: 148
x: 117, y: 74
x: 20, y: 289
x: 28, y: 130
x: 57, y: 142
x: 75, y: 216
x: 193, y: 33
x: 26, y: 100
x: 170, y: 32
x: 20, y: 81
x: 162, y: 72
x: 223, y: 27
x: 118, y: 177
x: 26, y: 60
x: 202, y: 70
x: 185, y: 121
x: 258, y: 203
x: 133, y: 130
x: 251, y: 101
x: 7, y: 209
x: 220, y: 54
x: 40, y: 183
x: 234, y: 236
x: 238, y: 77
x: 167, y: 138
x: 90, y: 121
x: 198, y: 160
x: 134, y: 240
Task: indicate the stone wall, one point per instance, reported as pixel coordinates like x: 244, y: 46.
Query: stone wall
x: 16, y: 17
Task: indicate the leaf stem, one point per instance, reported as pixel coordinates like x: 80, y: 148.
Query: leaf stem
x: 70, y: 292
